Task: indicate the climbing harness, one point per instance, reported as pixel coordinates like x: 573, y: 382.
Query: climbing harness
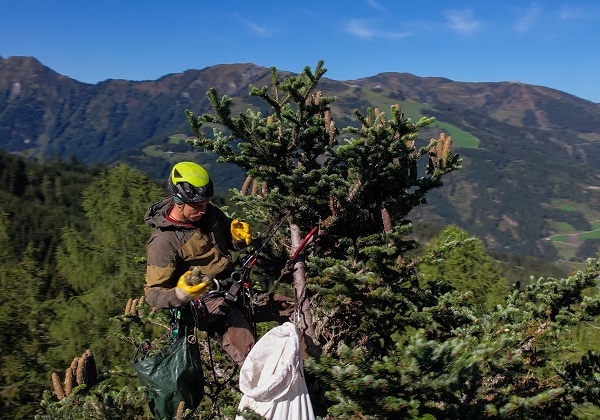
x: 237, y: 288
x: 248, y: 262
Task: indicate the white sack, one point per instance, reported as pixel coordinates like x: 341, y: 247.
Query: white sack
x: 272, y: 377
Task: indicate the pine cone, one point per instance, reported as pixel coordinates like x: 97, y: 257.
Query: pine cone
x: 195, y: 277
x: 180, y: 410
x: 58, y: 389
x: 69, y: 381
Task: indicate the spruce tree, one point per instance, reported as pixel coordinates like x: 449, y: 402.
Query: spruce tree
x: 99, y: 266
x: 463, y: 263
x: 23, y: 327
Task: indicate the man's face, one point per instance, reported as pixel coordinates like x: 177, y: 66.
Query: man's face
x: 194, y: 211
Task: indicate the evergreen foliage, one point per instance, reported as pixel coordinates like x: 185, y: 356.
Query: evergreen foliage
x: 99, y: 265
x: 29, y: 190
x: 22, y: 324
x: 35, y: 201
x: 506, y: 363
x: 99, y: 402
x: 465, y: 264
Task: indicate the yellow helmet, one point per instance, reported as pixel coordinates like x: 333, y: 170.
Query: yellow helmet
x: 190, y: 183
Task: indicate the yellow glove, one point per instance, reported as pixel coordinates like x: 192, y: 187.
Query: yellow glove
x: 241, y: 231
x: 194, y: 284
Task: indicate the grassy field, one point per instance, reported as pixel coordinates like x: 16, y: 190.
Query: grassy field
x: 594, y: 234
x: 565, y: 238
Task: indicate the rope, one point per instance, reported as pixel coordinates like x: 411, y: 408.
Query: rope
x: 288, y: 264
x: 303, y: 243
x: 146, y: 346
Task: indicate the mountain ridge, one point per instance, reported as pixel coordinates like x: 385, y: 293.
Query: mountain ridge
x: 531, y: 153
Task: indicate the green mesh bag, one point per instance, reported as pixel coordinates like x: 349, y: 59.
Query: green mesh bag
x: 173, y: 375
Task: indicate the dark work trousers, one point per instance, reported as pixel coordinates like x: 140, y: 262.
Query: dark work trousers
x: 227, y: 324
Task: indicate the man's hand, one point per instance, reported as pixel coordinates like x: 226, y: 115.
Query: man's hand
x: 192, y: 290
x: 241, y: 231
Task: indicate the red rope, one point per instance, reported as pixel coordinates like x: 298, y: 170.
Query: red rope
x: 303, y: 243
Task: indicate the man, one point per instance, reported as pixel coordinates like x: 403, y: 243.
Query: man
x: 189, y: 231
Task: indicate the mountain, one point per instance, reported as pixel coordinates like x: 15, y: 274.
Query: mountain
x: 531, y: 178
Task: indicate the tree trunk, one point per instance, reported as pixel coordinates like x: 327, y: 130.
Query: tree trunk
x: 304, y: 320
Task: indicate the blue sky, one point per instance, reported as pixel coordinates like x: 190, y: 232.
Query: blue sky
x: 548, y: 43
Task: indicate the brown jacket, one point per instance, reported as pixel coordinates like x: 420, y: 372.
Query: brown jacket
x: 174, y: 247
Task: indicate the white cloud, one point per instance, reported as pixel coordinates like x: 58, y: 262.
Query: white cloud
x: 360, y: 28
x: 376, y: 5
x: 395, y: 35
x: 568, y: 13
x: 462, y: 21
x: 527, y: 18
x: 255, y: 28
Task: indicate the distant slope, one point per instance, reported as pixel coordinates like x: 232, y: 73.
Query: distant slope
x: 531, y: 154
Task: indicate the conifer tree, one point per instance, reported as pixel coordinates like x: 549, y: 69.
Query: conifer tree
x: 357, y: 193
x: 464, y: 264
x: 99, y: 265
x: 385, y: 346
x: 23, y: 328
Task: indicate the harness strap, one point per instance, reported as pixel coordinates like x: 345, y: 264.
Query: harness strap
x: 232, y: 293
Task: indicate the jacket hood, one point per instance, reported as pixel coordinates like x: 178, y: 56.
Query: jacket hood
x: 156, y: 216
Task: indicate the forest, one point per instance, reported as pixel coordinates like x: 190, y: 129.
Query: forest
x: 420, y: 316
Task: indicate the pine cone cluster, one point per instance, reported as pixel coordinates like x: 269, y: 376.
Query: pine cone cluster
x: 131, y: 306
x: 82, y: 371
